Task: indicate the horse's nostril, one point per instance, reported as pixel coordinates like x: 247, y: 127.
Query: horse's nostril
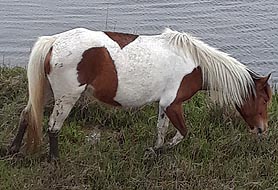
x: 260, y: 131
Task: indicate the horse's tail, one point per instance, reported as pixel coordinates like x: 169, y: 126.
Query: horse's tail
x: 36, y: 81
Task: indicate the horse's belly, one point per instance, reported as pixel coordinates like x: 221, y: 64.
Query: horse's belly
x: 137, y: 94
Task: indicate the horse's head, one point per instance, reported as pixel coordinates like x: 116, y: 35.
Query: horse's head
x: 254, y: 109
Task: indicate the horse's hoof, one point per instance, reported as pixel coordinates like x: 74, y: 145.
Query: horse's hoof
x: 169, y: 146
x: 3, y: 151
x: 153, y: 151
x: 53, y: 159
x: 150, y: 152
x: 12, y: 150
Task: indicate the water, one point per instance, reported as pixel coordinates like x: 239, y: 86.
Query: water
x: 246, y: 29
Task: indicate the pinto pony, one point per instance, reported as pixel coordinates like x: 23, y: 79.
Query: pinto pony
x: 128, y: 70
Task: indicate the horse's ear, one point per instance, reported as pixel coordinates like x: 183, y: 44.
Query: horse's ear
x: 263, y: 81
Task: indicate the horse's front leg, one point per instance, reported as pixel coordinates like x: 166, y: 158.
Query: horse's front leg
x: 23, y: 123
x: 162, y: 126
x: 175, y: 114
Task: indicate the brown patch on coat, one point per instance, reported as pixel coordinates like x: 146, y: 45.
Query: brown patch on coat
x: 97, y: 68
x: 47, y: 66
x: 190, y: 84
x: 121, y: 38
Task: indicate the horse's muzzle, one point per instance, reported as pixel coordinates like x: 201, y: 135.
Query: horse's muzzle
x: 259, y: 130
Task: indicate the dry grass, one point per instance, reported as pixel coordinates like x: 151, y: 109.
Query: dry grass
x: 219, y: 153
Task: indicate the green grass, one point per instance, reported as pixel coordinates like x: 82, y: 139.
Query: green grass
x: 218, y: 153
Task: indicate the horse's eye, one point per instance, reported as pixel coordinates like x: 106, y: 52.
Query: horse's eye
x: 264, y: 101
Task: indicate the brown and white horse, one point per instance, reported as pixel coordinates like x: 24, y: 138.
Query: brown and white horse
x: 129, y: 71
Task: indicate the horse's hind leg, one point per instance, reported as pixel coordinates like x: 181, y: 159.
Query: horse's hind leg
x: 23, y: 123
x: 61, y: 110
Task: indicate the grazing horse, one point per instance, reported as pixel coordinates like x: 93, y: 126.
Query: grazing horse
x: 128, y: 70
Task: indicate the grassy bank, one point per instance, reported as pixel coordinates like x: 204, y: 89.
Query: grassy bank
x: 219, y: 153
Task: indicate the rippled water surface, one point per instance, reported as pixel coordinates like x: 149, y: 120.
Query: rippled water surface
x: 246, y: 29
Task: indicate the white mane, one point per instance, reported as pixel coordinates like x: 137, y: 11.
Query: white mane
x: 223, y: 74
